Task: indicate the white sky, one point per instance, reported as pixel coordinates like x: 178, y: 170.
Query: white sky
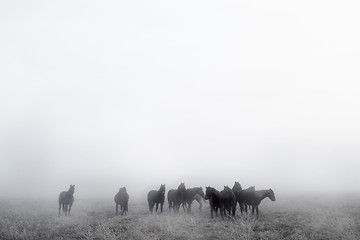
x: 104, y: 94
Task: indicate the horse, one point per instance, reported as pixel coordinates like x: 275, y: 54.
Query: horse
x: 249, y: 189
x: 228, y: 201
x: 176, y: 197
x: 192, y: 194
x: 122, y: 198
x: 214, y: 198
x: 156, y: 197
x: 237, y: 187
x: 66, y: 200
x: 254, y: 198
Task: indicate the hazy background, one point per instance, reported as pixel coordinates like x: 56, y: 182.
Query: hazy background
x: 105, y: 94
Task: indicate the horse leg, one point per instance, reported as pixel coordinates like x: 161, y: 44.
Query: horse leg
x: 257, y: 210
x: 189, y: 207
x: 69, y: 209
x: 161, y: 206
x: 59, y: 207
x: 211, y: 211
x: 200, y: 206
x: 252, y: 210
x: 116, y: 209
x: 125, y: 208
x: 151, y: 206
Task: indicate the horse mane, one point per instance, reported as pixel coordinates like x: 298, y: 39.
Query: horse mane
x: 251, y: 188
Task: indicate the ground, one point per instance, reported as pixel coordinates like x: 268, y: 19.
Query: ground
x: 287, y: 218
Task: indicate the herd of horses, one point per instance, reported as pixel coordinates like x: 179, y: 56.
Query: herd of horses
x: 224, y: 201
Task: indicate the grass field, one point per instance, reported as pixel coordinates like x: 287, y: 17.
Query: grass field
x: 288, y: 218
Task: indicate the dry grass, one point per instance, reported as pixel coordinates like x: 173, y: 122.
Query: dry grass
x: 284, y: 219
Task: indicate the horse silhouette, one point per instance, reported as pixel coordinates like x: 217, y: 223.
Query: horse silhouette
x: 228, y: 201
x: 192, y: 194
x: 156, y: 197
x: 249, y: 189
x: 254, y: 198
x: 122, y: 198
x: 214, y: 198
x: 176, y: 197
x: 66, y: 200
x: 237, y: 187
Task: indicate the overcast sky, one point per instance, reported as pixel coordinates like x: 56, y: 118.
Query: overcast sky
x: 105, y: 94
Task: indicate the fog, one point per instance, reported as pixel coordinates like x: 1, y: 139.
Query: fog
x: 142, y: 93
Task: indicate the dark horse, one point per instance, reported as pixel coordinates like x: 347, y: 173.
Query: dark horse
x: 122, y: 199
x: 254, y: 198
x: 192, y: 194
x: 228, y: 201
x: 156, y: 197
x: 237, y: 187
x: 214, y: 198
x: 66, y: 200
x: 176, y: 197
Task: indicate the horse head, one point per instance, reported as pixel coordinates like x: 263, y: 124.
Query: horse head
x: 72, y: 189
x: 181, y: 188
x: 271, y: 195
x: 237, y: 187
x: 208, y: 192
x: 162, y: 189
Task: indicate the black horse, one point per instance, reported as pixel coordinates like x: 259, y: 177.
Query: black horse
x: 66, y: 200
x: 192, y: 194
x: 254, y: 198
x: 228, y: 201
x: 249, y: 189
x: 236, y: 189
x: 176, y: 197
x: 214, y: 198
x: 156, y: 197
x: 122, y: 199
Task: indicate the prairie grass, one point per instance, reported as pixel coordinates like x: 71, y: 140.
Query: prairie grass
x: 284, y: 219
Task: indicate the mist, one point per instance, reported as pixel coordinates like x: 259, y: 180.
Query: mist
x: 140, y: 93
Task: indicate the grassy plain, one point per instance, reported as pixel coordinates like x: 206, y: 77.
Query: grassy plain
x: 288, y: 218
